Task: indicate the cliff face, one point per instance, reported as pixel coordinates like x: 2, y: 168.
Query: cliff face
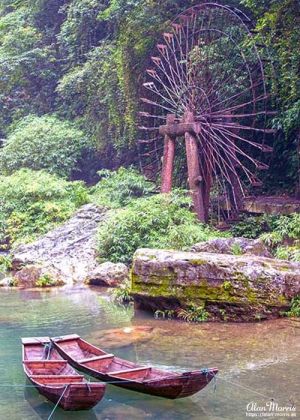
x: 241, y: 287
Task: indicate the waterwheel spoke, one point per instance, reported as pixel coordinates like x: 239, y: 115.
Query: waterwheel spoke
x: 219, y: 143
x: 205, y: 69
x: 230, y: 148
x: 243, y: 139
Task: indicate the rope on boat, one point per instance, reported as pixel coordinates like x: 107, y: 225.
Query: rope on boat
x: 215, y: 378
x: 115, y: 382
x: 246, y: 388
x: 56, y: 405
x: 124, y: 381
x: 47, y: 350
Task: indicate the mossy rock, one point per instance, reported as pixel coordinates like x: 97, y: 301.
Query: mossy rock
x: 256, y: 286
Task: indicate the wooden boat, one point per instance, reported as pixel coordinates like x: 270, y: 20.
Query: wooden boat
x: 55, y: 378
x: 107, y: 367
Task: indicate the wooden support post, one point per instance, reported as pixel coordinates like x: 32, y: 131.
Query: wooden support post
x: 168, y: 159
x: 194, y: 174
x: 207, y: 182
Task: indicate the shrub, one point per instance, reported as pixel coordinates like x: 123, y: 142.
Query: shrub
x: 236, y: 249
x: 5, y: 263
x: 33, y: 202
x: 272, y: 228
x: 118, y: 188
x: 285, y: 229
x: 288, y: 253
x: 193, y: 313
x: 122, y: 293
x: 288, y: 226
x: 47, y: 281
x: 294, y: 310
x: 160, y: 221
x: 43, y: 143
x: 252, y: 227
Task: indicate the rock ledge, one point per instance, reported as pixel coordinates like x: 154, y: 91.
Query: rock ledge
x: 241, y: 288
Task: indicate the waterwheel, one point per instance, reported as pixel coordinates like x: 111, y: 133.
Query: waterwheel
x: 205, y: 90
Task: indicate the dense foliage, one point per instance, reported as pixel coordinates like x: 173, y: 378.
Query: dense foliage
x: 32, y: 203
x: 294, y: 310
x: 70, y: 77
x: 253, y: 226
x: 83, y: 60
x: 280, y: 233
x: 155, y: 222
x: 119, y: 188
x: 43, y: 143
x: 278, y: 27
x: 284, y: 237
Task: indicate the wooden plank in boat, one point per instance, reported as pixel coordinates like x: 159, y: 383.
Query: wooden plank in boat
x: 139, y: 369
x: 93, y: 359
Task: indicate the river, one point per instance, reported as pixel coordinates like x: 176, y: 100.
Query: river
x: 256, y: 361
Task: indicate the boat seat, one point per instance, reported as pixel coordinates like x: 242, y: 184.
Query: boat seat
x: 59, y: 362
x: 92, y: 359
x: 118, y: 372
x: 57, y: 376
x: 58, y: 379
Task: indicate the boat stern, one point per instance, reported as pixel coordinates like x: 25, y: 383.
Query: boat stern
x: 82, y: 396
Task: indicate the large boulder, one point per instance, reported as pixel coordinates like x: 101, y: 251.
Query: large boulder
x: 68, y: 251
x: 234, y: 246
x: 228, y: 286
x: 108, y: 274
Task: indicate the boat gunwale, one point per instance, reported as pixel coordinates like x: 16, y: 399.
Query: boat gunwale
x: 210, y: 373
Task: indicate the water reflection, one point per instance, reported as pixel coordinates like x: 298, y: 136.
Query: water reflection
x: 261, y: 357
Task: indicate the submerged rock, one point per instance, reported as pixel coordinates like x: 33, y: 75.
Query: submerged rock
x: 230, y: 287
x: 234, y: 246
x: 122, y: 337
x: 108, y: 274
x: 68, y: 252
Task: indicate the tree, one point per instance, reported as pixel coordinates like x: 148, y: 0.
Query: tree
x: 43, y: 143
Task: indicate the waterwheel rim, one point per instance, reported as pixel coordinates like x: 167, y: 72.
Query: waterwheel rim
x: 208, y: 63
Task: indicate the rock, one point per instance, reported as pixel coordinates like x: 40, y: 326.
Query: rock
x: 117, y: 410
x: 122, y: 337
x: 108, y: 274
x: 6, y: 282
x: 271, y: 205
x: 233, y: 246
x: 37, y: 276
x: 241, y: 288
x: 69, y: 251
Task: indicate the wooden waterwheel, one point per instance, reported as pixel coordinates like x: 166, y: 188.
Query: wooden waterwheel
x: 205, y: 88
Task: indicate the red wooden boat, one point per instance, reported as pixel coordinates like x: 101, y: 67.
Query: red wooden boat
x: 56, y: 379
x: 123, y: 373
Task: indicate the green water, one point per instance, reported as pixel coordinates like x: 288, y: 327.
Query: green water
x: 261, y: 358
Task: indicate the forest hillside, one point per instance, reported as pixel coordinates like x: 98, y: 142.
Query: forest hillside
x: 71, y: 73
x: 73, y: 69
